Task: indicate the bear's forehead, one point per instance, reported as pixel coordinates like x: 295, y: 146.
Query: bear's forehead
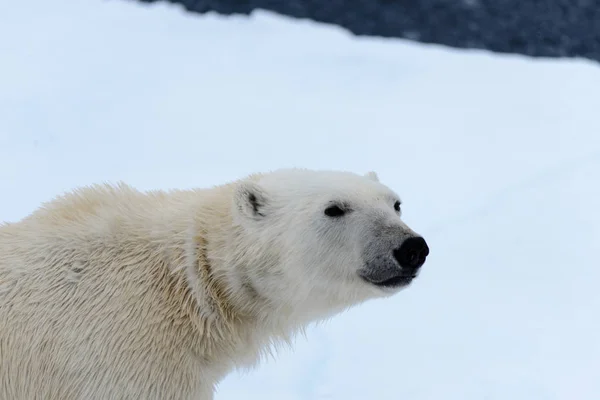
x: 322, y: 184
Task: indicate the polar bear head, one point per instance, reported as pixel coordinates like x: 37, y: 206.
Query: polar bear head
x: 333, y: 239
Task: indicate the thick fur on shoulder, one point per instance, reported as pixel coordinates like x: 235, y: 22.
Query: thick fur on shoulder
x: 108, y: 292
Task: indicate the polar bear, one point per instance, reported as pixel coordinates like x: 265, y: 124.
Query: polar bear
x: 112, y: 293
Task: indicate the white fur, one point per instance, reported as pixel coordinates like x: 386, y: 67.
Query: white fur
x: 111, y: 293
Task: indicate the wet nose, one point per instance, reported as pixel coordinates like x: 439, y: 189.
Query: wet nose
x: 412, y: 253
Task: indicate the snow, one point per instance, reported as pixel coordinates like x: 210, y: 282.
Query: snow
x: 497, y: 159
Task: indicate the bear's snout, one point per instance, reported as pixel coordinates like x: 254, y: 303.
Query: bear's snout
x: 411, y: 254
x: 400, y: 267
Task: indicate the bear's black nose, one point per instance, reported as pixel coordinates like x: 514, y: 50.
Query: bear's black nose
x: 411, y: 254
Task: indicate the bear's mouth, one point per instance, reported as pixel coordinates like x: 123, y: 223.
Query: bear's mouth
x: 391, y: 282
x: 396, y: 281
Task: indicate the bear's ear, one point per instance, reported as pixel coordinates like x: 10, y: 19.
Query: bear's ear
x: 250, y: 200
x: 372, y: 175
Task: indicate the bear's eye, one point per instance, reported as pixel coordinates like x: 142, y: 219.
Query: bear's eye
x: 397, y: 206
x: 334, y: 211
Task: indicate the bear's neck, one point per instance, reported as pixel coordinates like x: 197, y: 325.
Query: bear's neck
x: 232, y: 318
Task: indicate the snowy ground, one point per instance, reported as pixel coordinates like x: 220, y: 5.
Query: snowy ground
x: 497, y: 159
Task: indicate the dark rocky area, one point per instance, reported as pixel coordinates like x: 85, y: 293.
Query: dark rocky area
x: 537, y: 28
